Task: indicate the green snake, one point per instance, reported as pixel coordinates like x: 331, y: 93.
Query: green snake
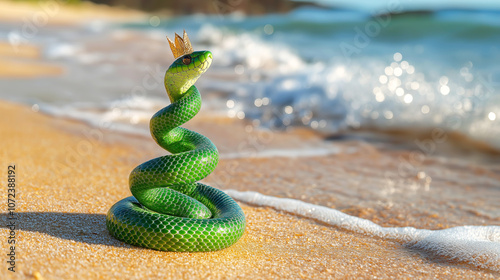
x: 169, y: 210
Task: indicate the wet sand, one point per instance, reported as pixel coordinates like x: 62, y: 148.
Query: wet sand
x: 68, y: 175
x: 366, y: 183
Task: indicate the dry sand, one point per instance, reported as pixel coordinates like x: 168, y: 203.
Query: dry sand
x: 69, y: 175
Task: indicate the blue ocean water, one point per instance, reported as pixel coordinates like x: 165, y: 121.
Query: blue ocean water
x: 337, y: 70
x: 332, y: 70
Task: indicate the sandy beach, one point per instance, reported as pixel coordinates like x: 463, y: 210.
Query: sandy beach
x: 42, y: 13
x: 67, y: 180
x: 68, y: 174
x: 21, y: 59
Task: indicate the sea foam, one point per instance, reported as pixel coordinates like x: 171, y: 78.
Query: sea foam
x: 475, y: 245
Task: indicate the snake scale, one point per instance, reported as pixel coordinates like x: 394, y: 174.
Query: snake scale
x: 169, y: 210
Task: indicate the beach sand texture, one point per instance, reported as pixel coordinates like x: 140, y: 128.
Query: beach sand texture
x: 67, y: 180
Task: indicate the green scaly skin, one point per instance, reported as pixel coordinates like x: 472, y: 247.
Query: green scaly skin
x: 169, y: 211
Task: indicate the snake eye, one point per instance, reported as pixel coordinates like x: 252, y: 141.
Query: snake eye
x: 186, y: 59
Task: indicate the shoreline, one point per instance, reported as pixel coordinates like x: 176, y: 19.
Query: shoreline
x: 379, y: 179
x: 61, y: 212
x: 445, y: 143
x: 36, y: 15
x: 20, y: 58
x: 279, y: 155
x: 24, y: 61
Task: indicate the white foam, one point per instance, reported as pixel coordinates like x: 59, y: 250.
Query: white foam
x: 476, y: 245
x: 131, y: 120
x: 334, y: 96
x: 63, y: 50
x: 288, y: 153
x: 249, y: 50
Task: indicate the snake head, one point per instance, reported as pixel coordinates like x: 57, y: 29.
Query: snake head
x: 184, y: 72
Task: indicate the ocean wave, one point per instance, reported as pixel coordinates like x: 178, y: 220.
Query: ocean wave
x: 475, y: 245
x: 279, y: 85
x: 276, y: 85
x: 283, y: 71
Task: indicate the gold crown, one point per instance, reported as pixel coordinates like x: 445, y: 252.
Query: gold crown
x: 181, y: 46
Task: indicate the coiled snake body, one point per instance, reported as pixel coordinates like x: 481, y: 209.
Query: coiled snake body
x: 168, y: 210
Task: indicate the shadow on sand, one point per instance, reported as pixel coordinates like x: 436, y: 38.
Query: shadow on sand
x: 85, y: 228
